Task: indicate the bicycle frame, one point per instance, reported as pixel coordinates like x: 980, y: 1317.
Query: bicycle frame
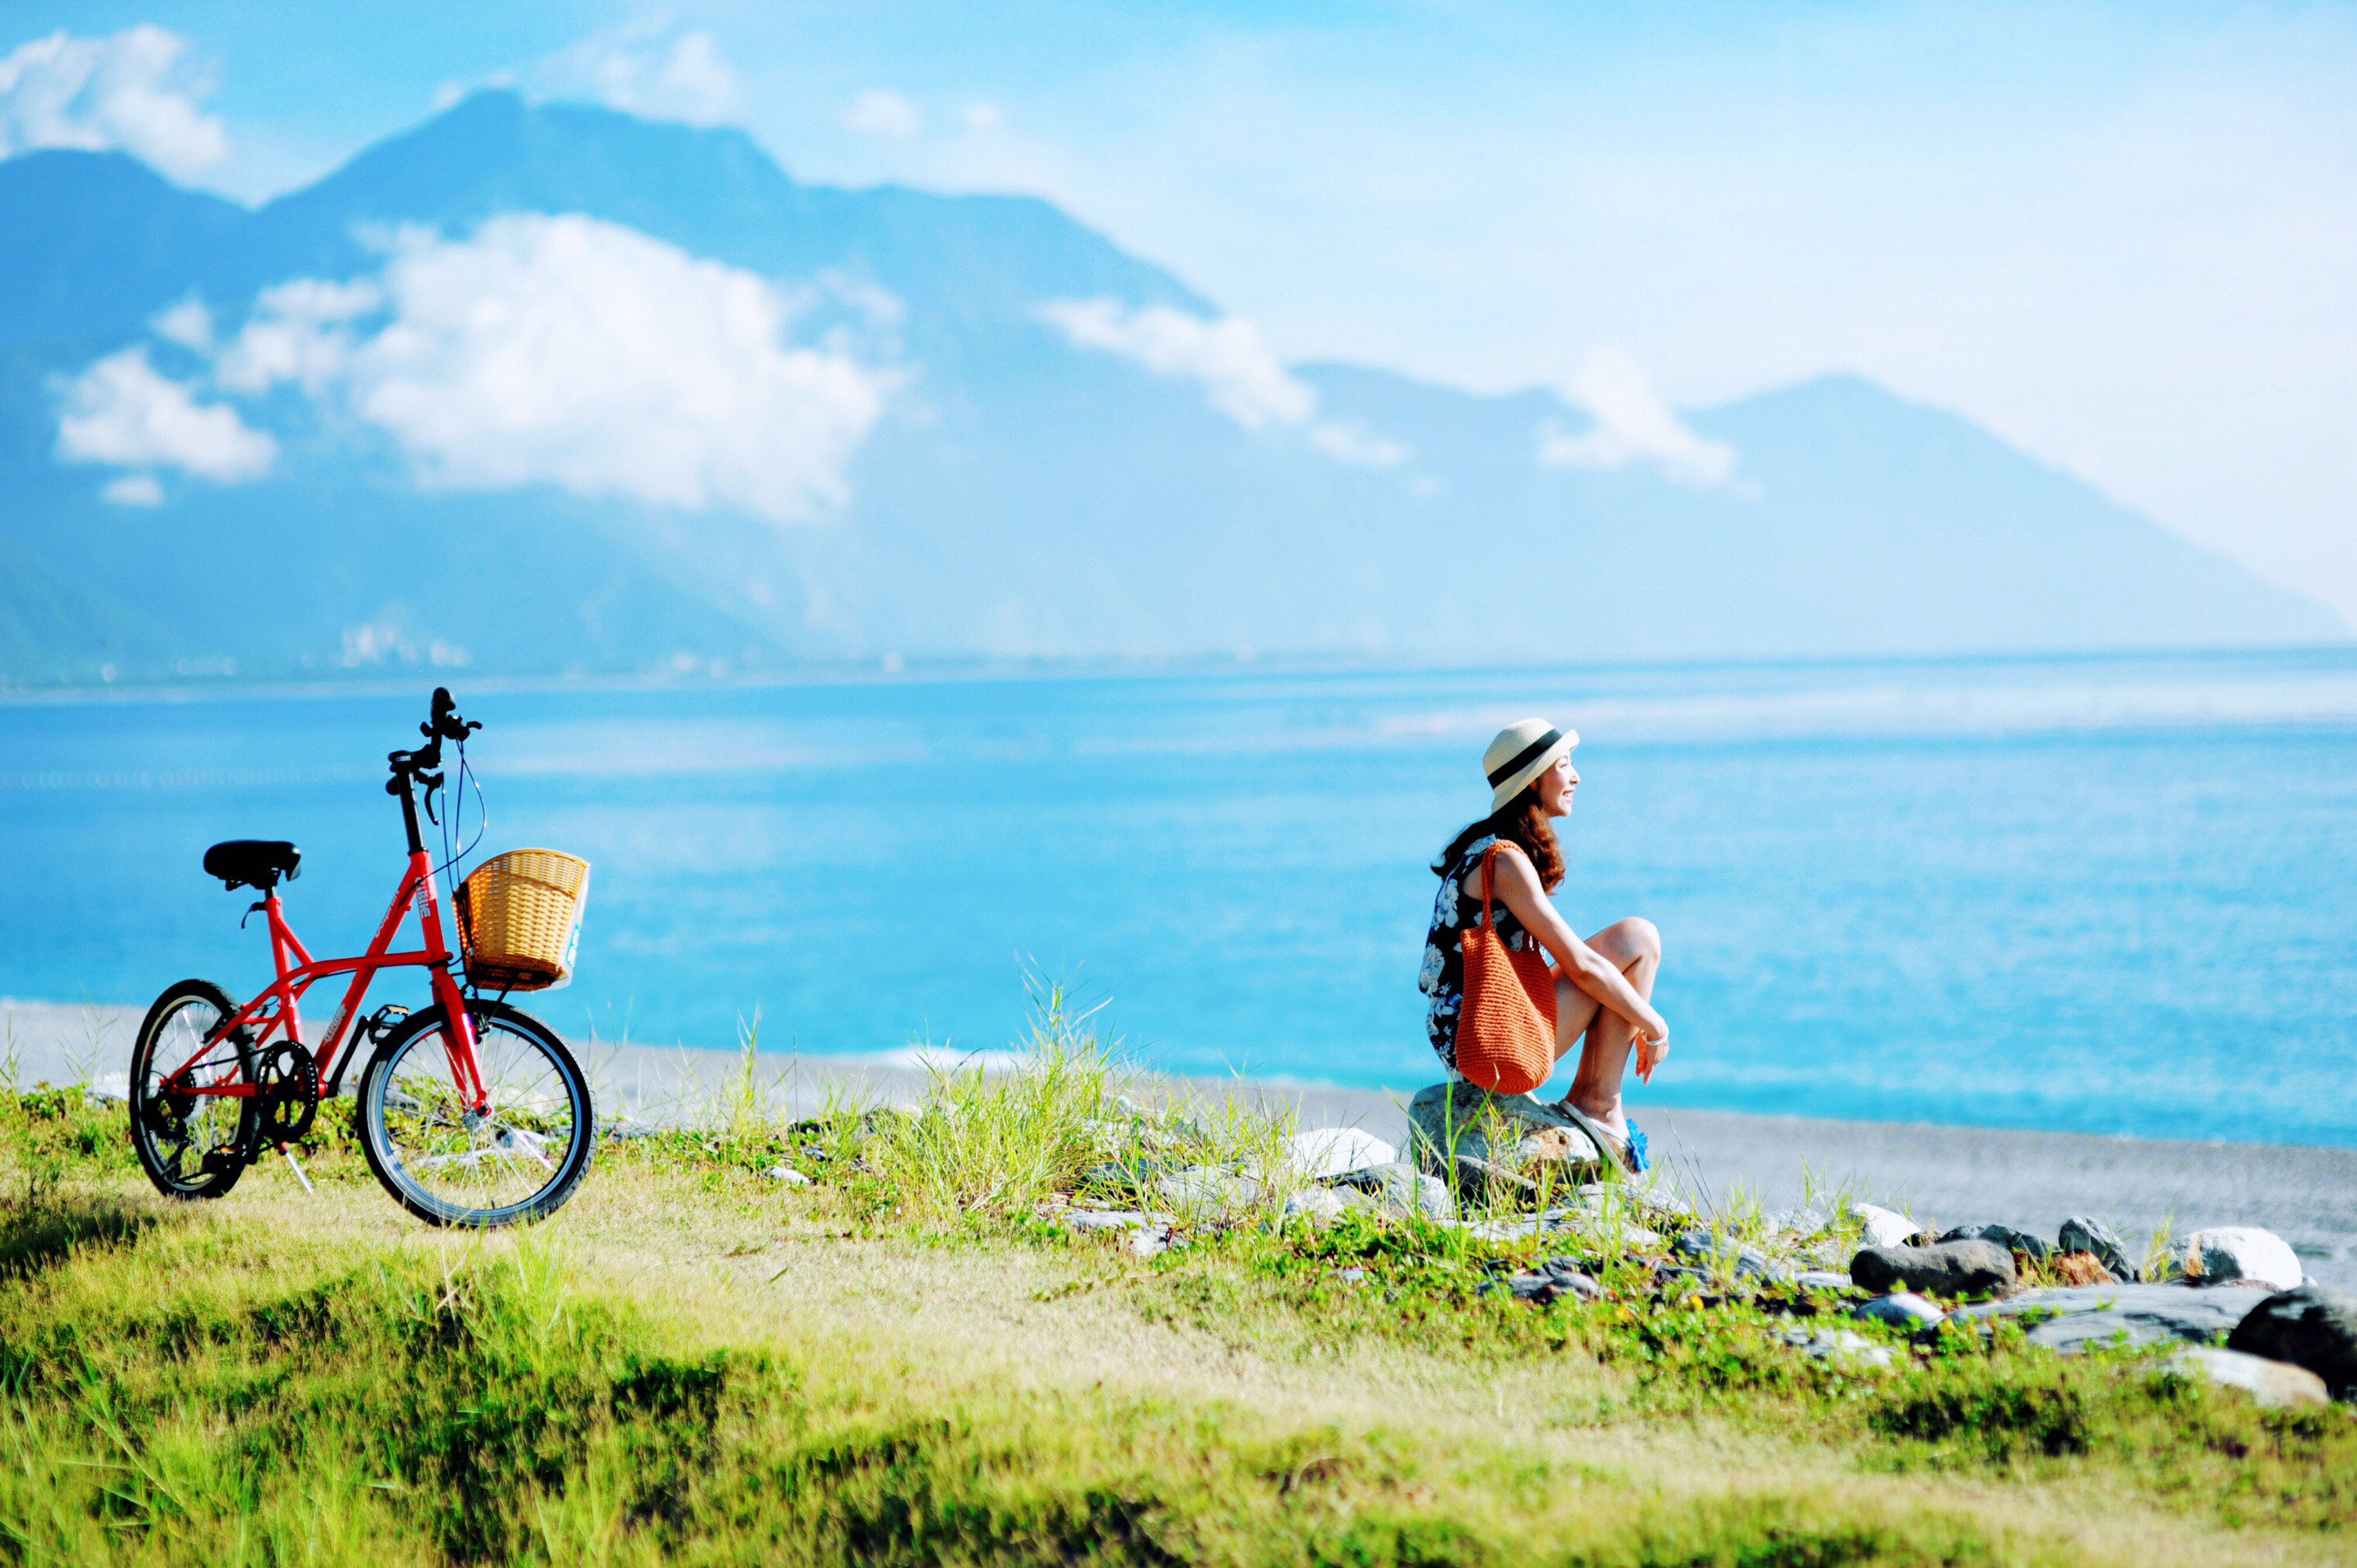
x: 276, y: 1011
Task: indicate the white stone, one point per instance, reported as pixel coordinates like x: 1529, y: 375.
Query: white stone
x: 2276, y: 1384
x: 1900, y: 1309
x: 1332, y: 1151
x: 2241, y: 1252
x: 1884, y: 1226
x: 788, y: 1175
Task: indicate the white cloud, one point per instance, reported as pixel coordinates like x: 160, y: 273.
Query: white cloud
x: 133, y: 489
x: 299, y: 331
x: 120, y: 411
x: 131, y: 91
x: 1240, y: 375
x: 982, y: 116
x: 881, y: 113
x: 574, y: 352
x: 647, y: 68
x: 188, y: 324
x: 1350, y: 442
x: 1632, y: 425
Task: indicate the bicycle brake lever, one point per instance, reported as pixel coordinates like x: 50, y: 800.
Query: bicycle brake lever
x: 432, y: 782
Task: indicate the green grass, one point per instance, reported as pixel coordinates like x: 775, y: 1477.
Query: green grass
x: 906, y: 1361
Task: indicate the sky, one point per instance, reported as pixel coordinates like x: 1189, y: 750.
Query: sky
x: 2121, y: 236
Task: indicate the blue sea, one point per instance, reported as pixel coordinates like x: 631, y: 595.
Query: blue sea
x: 2107, y: 895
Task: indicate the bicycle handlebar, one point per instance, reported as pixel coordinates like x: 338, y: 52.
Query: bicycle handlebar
x: 444, y: 724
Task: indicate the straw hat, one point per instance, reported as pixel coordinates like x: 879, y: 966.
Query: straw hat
x: 1523, y: 750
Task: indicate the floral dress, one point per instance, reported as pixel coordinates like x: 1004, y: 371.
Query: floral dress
x: 1453, y: 912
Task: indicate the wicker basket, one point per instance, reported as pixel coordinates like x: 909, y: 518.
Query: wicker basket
x: 520, y: 920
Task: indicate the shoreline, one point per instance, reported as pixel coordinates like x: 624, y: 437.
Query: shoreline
x: 1951, y: 1174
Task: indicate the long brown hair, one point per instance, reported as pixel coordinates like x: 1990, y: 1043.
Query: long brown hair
x: 1523, y: 822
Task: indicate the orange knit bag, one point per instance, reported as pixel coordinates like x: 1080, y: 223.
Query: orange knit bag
x: 1505, y: 1034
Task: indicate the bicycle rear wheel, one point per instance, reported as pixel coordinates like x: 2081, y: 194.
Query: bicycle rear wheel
x: 519, y: 1159
x: 190, y: 1145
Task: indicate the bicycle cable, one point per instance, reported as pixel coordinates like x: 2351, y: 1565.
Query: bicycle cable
x: 453, y: 823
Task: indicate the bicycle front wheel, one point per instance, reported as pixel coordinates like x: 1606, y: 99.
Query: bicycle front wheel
x: 519, y: 1158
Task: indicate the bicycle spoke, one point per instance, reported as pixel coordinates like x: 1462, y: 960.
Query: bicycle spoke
x: 493, y: 1161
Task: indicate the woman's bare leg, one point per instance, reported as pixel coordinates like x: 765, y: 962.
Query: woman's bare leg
x: 1635, y: 948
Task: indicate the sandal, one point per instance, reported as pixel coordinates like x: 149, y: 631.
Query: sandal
x: 1629, y: 1153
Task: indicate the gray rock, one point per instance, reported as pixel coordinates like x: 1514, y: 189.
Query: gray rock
x: 2310, y: 1327
x: 1554, y: 1283
x: 1822, y: 1280
x: 2005, y: 1236
x: 1903, y: 1309
x: 1747, y: 1262
x: 1839, y: 1346
x: 2277, y: 1385
x: 1450, y: 1124
x: 1948, y: 1268
x: 2076, y: 1316
x: 2084, y: 1233
x: 2234, y: 1252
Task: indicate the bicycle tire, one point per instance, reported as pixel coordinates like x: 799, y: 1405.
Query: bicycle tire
x: 410, y: 1122
x: 164, y: 1130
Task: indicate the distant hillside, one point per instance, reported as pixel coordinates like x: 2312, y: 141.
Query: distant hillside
x: 551, y: 388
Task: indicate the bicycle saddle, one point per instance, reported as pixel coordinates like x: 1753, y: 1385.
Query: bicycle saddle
x: 257, y: 863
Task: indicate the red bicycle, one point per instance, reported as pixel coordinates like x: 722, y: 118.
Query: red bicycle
x: 471, y: 1112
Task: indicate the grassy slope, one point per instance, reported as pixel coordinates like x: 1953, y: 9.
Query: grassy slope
x: 898, y: 1364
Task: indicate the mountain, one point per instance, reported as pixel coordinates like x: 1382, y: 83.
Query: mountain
x: 549, y: 388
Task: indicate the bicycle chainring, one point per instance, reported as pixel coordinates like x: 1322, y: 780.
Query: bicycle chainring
x: 285, y: 1093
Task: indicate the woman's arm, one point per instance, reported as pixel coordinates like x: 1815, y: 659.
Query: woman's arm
x: 1517, y: 888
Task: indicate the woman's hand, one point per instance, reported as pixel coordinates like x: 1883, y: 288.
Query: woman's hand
x: 1652, y: 1044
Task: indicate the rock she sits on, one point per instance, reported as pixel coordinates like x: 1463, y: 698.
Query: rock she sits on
x: 1451, y: 1124
x: 1950, y: 1269
x: 2312, y: 1326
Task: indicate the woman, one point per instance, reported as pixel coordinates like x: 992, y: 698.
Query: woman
x: 1603, y: 987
